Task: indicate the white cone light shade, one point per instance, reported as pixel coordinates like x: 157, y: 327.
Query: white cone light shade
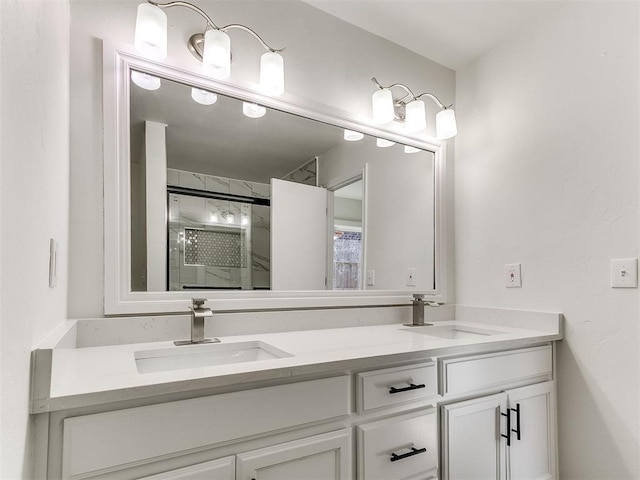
x: 351, y: 136
x: 151, y: 31
x: 446, y: 124
x: 272, y: 74
x: 382, y: 106
x: 146, y: 81
x: 408, y: 149
x: 382, y: 143
x: 216, y: 59
x: 253, y: 110
x: 203, y: 97
x: 415, y: 116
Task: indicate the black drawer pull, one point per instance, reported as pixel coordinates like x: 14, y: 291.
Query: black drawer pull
x: 414, y: 451
x: 412, y: 386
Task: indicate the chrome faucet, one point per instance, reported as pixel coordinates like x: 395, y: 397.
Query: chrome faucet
x: 418, y: 310
x: 198, y: 315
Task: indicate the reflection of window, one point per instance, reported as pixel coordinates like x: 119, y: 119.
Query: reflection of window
x: 347, y: 254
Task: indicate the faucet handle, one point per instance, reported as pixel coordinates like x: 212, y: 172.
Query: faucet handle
x: 197, y: 302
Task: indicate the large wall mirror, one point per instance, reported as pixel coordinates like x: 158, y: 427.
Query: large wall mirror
x: 217, y: 192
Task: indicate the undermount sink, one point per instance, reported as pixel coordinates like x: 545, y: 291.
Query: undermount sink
x: 194, y: 356
x: 452, y: 332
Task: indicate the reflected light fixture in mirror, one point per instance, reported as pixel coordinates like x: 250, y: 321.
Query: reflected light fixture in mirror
x: 213, y: 48
x: 411, y: 110
x: 351, y: 136
x: 253, y: 110
x: 146, y: 81
x: 383, y: 143
x: 203, y: 97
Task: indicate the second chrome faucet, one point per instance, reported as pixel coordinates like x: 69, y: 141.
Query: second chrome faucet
x: 198, y: 315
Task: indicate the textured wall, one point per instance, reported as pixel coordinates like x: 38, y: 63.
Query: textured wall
x: 34, y: 199
x: 547, y: 176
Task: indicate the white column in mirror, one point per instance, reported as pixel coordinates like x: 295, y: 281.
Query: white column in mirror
x: 272, y: 74
x: 151, y: 31
x: 217, y: 54
x: 156, y: 205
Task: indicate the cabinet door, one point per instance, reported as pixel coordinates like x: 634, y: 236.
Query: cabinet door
x: 321, y: 457
x: 221, y: 469
x: 532, y: 455
x: 472, y: 445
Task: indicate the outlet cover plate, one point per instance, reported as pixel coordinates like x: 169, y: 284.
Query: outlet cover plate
x: 512, y: 275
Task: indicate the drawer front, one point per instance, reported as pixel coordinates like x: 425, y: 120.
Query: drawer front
x: 398, y: 447
x: 137, y: 435
x: 481, y: 372
x: 396, y: 385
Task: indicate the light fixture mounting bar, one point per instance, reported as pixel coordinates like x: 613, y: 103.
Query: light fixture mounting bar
x: 211, y: 24
x: 410, y: 93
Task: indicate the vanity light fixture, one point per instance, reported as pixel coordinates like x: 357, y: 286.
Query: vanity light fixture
x: 146, y: 81
x: 230, y: 218
x: 212, y: 48
x: 410, y: 109
x: 203, y: 97
x: 351, y: 136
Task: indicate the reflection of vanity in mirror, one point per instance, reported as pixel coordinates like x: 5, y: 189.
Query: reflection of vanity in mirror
x: 237, y: 200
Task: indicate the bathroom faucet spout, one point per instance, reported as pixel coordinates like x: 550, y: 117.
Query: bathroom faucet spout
x: 198, y: 315
x: 418, y: 311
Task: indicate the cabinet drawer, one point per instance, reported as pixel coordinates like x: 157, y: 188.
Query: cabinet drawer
x: 398, y: 447
x: 137, y: 435
x: 480, y: 372
x: 396, y: 385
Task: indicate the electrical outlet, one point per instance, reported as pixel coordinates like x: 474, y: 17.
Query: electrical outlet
x: 371, y: 278
x: 513, y: 278
x: 624, y: 273
x: 411, y: 277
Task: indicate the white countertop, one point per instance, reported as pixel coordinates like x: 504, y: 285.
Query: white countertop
x: 94, y: 375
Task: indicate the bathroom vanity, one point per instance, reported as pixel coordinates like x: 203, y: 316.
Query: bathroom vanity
x: 454, y: 400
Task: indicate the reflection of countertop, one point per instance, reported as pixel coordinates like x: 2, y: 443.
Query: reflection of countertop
x: 95, y: 375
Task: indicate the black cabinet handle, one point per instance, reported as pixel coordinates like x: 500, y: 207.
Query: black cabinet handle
x: 414, y: 451
x: 412, y: 386
x: 508, y: 435
x: 517, y: 429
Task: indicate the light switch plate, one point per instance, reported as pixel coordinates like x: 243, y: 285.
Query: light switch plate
x: 371, y: 278
x: 53, y: 263
x: 411, y: 277
x: 624, y: 273
x: 513, y: 278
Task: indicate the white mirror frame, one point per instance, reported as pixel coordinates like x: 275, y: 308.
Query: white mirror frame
x: 118, y: 61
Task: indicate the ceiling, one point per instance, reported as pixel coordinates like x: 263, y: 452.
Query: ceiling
x: 450, y: 32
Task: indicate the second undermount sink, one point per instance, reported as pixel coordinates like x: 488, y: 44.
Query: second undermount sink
x: 452, y: 332
x: 194, y: 356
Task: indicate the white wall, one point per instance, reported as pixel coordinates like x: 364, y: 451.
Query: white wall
x: 34, y: 185
x: 547, y: 176
x: 328, y: 62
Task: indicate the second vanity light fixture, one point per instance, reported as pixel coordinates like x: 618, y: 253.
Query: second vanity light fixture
x: 213, y: 48
x: 410, y: 109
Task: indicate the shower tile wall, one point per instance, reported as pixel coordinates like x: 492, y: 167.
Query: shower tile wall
x: 307, y: 173
x: 188, y: 212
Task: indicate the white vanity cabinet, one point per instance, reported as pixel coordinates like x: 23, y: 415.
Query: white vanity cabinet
x: 321, y: 457
x: 415, y: 419
x: 506, y: 435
